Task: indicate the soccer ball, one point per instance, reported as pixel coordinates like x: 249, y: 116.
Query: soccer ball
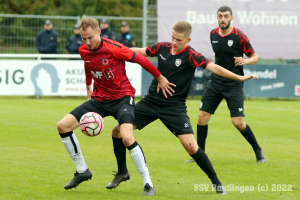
x: 91, y: 124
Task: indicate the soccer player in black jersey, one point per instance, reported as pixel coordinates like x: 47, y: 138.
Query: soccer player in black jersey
x: 229, y: 45
x: 177, y: 61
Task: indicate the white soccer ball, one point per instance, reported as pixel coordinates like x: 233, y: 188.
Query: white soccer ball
x: 91, y: 124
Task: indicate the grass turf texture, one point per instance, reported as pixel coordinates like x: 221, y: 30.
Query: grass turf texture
x: 35, y: 165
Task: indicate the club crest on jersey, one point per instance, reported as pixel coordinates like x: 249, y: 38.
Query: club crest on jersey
x: 105, y: 61
x: 230, y: 43
x: 177, y: 62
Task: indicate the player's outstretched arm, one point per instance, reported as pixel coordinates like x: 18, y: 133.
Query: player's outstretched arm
x: 239, y: 61
x: 141, y: 51
x: 216, y: 69
x: 163, y: 83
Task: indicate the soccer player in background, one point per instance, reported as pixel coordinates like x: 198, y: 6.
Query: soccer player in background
x: 177, y: 61
x: 229, y: 45
x: 112, y: 95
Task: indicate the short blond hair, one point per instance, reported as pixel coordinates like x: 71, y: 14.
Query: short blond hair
x: 88, y: 21
x: 183, y: 27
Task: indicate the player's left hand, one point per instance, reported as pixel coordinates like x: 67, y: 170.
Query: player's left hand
x: 247, y: 77
x: 239, y: 61
x: 165, y: 86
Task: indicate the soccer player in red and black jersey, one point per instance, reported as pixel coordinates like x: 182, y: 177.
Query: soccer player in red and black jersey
x: 229, y: 45
x: 177, y: 61
x: 112, y: 95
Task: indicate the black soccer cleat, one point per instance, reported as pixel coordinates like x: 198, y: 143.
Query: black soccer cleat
x: 148, y: 190
x: 260, y: 157
x: 189, y: 161
x: 220, y: 189
x: 119, y: 177
x: 79, y: 178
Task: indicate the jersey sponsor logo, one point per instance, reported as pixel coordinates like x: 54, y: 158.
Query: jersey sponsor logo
x: 162, y: 57
x: 97, y: 74
x: 214, y: 42
x: 105, y: 61
x: 107, y: 73
x: 240, y: 109
x: 177, y: 62
x: 230, y: 43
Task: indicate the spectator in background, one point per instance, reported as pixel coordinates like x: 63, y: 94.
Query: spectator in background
x: 74, y: 42
x: 125, y: 37
x: 48, y: 39
x: 105, y: 31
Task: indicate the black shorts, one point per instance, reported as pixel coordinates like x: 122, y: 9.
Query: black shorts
x: 116, y: 108
x: 212, y: 96
x: 173, y: 117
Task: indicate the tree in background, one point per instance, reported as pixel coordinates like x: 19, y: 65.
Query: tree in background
x: 18, y: 35
x: 130, y: 8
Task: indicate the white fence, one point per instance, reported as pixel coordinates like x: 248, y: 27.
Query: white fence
x: 20, y: 76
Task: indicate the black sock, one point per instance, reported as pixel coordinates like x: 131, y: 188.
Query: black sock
x: 249, y: 136
x: 201, y: 135
x: 120, y: 153
x: 204, y: 163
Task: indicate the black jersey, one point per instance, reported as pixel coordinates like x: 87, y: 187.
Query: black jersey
x: 226, y: 48
x: 178, y: 69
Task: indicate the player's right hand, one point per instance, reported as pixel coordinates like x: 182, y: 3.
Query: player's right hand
x: 247, y: 77
x: 165, y: 86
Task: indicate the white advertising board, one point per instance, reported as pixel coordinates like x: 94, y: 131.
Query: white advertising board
x: 52, y: 77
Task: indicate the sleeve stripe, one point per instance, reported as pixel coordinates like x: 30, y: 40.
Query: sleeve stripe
x: 132, y: 57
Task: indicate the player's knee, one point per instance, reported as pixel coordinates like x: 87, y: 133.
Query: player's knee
x: 116, y: 132
x: 191, y: 148
x: 238, y: 124
x: 60, y: 127
x: 128, y: 140
x: 203, y: 118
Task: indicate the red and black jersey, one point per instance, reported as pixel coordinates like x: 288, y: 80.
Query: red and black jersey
x: 178, y: 69
x: 106, y: 65
x: 235, y: 44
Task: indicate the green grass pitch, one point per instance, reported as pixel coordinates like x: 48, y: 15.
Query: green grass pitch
x: 35, y: 165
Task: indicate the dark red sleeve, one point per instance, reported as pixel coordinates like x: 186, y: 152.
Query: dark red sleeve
x: 120, y: 51
x: 88, y: 76
x: 245, y: 45
x: 146, y: 64
x: 196, y: 59
x: 153, y: 49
